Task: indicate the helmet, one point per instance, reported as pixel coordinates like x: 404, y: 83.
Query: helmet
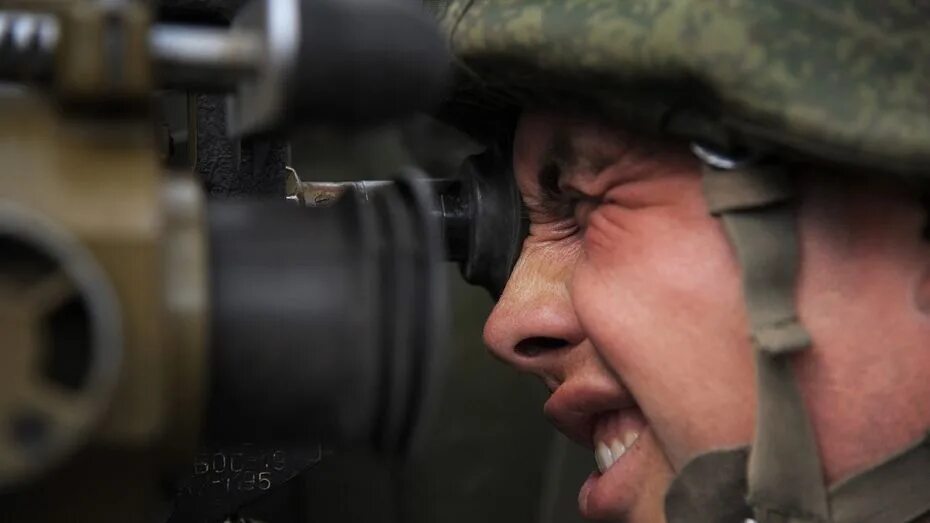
x: 846, y: 81
x: 745, y: 82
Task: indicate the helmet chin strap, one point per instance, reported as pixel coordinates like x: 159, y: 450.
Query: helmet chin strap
x: 779, y: 477
x: 755, y: 203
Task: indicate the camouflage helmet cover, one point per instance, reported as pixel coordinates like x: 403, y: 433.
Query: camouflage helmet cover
x: 841, y: 80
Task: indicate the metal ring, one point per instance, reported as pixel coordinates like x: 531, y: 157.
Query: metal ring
x: 106, y: 323
x: 720, y: 160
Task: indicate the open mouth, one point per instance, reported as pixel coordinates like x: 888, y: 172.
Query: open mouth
x: 621, y: 442
x: 607, y: 420
x: 614, y: 434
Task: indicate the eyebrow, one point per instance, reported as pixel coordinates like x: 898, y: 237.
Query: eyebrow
x: 563, y: 156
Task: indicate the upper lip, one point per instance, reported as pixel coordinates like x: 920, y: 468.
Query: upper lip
x: 575, y: 407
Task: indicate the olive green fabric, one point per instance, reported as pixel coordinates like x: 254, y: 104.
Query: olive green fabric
x: 784, y: 479
x: 754, y: 203
x: 843, y: 80
x: 785, y: 482
x: 744, y: 189
x: 895, y: 491
x: 711, y: 488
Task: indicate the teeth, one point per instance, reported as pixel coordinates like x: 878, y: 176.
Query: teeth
x: 617, y: 449
x: 630, y: 437
x: 602, y: 457
x: 606, y: 456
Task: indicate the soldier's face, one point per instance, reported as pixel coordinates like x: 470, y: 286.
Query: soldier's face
x: 626, y: 302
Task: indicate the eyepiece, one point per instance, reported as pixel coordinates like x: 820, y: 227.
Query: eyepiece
x: 326, y: 320
x: 479, y: 215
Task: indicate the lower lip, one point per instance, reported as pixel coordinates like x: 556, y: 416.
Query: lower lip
x: 586, y: 488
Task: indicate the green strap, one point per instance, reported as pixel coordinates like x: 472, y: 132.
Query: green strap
x: 895, y: 491
x: 785, y: 482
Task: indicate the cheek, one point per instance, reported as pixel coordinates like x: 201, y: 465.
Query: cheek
x: 658, y: 293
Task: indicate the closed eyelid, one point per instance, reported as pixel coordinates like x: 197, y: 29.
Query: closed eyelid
x: 590, y: 178
x: 556, y: 183
x: 579, y: 168
x: 573, y: 195
x: 592, y: 187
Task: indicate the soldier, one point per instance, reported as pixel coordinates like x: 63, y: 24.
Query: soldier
x: 726, y: 281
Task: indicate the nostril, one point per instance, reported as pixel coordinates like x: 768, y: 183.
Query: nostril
x: 532, y: 347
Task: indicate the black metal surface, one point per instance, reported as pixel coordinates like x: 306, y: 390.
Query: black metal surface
x: 215, y: 11
x: 228, y: 476
x: 294, y: 354
x: 365, y: 62
x: 234, y: 167
x: 325, y: 327
x: 324, y: 320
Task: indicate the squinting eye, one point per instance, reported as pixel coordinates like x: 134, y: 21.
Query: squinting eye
x: 555, y: 207
x: 582, y: 209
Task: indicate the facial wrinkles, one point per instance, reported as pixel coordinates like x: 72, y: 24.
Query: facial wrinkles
x: 565, y: 145
x: 551, y: 264
x: 583, y: 163
x: 649, y: 196
x: 594, y: 159
x: 617, y: 330
x: 584, y: 152
x: 656, y: 206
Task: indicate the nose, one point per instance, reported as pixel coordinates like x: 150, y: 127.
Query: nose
x: 533, y: 325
